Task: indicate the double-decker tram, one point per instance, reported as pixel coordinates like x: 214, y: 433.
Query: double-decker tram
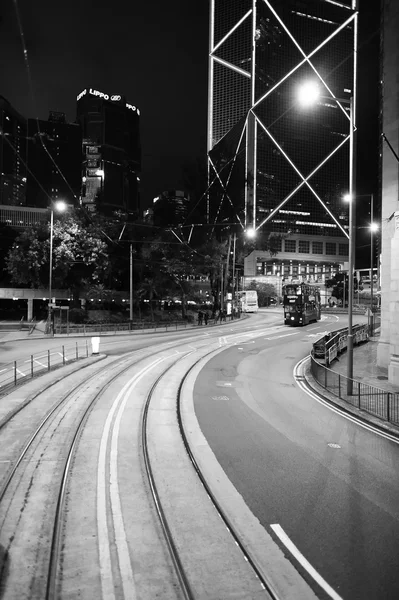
x: 301, y: 303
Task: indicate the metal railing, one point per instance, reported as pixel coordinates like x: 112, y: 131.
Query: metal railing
x: 115, y: 327
x: 20, y: 371
x: 365, y: 397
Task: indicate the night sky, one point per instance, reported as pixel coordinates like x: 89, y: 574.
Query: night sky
x: 156, y: 54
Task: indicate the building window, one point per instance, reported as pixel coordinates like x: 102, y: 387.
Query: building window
x: 290, y: 245
x: 317, y: 247
x: 304, y: 247
x: 331, y: 248
x: 303, y: 269
x: 343, y: 249
x: 259, y: 268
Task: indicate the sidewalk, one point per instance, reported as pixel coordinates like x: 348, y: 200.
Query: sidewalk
x: 365, y: 366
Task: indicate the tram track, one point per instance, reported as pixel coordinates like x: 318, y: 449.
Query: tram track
x: 47, y: 583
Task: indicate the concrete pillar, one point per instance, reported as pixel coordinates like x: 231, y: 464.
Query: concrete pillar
x: 389, y: 178
x: 30, y: 309
x: 393, y: 367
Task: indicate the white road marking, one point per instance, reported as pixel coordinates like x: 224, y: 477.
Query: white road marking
x: 2, y: 370
x: 61, y: 355
x: 279, y: 531
x: 277, y: 337
x: 106, y: 575
x: 20, y: 373
x: 38, y: 362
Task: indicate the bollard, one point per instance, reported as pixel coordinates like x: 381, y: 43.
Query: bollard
x: 95, y: 345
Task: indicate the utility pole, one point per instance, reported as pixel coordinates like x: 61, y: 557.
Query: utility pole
x: 226, y: 273
x: 131, y: 283
x: 234, y: 271
x: 221, y: 287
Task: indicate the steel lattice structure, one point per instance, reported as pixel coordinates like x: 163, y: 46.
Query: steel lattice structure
x: 270, y: 161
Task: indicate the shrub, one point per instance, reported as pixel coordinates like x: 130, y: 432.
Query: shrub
x: 77, y: 315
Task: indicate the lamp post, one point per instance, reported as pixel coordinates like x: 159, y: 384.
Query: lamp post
x: 373, y: 228
x: 308, y: 94
x: 59, y: 206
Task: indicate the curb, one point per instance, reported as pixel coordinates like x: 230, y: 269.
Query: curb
x: 366, y: 418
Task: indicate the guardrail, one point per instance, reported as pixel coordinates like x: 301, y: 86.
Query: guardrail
x: 115, y: 327
x: 19, y: 371
x: 365, y: 397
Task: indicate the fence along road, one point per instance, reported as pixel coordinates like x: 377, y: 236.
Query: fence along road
x: 363, y: 396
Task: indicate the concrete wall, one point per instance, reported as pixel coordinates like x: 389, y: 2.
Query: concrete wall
x: 388, y: 347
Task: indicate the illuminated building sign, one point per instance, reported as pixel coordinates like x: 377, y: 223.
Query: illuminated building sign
x: 113, y: 98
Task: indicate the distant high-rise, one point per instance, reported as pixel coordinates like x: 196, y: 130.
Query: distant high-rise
x: 170, y: 208
x: 272, y: 163
x: 54, y: 161
x: 12, y: 155
x: 111, y: 152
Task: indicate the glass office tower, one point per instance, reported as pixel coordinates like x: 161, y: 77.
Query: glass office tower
x: 274, y: 164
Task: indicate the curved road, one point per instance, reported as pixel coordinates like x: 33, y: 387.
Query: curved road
x: 331, y: 485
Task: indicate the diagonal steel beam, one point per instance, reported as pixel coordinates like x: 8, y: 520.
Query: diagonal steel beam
x: 304, y: 179
x: 283, y: 25
x: 228, y: 34
x: 304, y: 60
x: 230, y: 66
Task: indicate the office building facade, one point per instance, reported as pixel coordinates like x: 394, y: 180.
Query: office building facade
x: 111, y: 152
x: 12, y: 155
x: 274, y: 165
x: 54, y: 160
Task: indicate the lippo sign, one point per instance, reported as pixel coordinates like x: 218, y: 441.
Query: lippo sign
x: 113, y: 98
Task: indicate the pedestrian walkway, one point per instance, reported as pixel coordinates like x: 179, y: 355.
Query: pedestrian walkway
x: 365, y: 366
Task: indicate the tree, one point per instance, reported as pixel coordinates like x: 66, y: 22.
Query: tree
x: 7, y: 238
x: 339, y: 283
x: 80, y: 257
x: 265, y: 291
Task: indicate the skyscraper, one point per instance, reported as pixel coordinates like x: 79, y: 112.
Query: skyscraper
x: 111, y: 152
x: 273, y: 164
x: 170, y: 208
x: 54, y: 161
x: 12, y: 155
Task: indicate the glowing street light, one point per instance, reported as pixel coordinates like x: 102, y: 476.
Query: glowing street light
x: 59, y: 206
x: 250, y: 233
x: 308, y: 95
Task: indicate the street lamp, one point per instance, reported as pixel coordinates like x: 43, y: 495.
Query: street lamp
x: 308, y: 94
x: 59, y: 206
x: 250, y: 233
x: 373, y: 228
